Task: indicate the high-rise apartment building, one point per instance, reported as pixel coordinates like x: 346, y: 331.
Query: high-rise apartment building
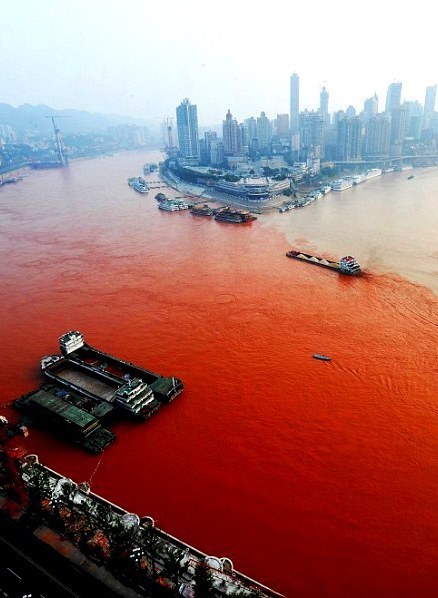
x: 311, y: 134
x: 393, y: 96
x: 232, y: 136
x: 399, y: 120
x: 429, y: 105
x: 187, y: 125
x: 414, y: 119
x: 294, y: 103
x: 370, y: 107
x: 349, y: 138
x: 263, y: 133
x: 323, y: 105
x: 283, y: 125
x: 377, y: 135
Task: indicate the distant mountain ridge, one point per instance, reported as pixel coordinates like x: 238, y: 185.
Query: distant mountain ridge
x: 28, y: 118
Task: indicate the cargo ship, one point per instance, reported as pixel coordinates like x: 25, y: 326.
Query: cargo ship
x: 346, y: 265
x: 74, y: 349
x: 49, y: 408
x: 226, y: 214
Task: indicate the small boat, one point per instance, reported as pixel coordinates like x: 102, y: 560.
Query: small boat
x: 410, y: 177
x: 321, y: 357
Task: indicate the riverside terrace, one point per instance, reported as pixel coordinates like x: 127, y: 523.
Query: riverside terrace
x: 123, y: 552
x: 224, y: 196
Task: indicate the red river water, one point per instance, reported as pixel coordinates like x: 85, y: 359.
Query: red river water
x: 316, y: 478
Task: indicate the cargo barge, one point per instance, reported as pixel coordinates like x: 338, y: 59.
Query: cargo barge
x: 346, y: 265
x: 202, y: 210
x: 131, y: 397
x: 113, y: 370
x: 49, y: 408
x: 226, y: 214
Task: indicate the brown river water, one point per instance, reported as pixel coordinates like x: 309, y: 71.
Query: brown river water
x: 316, y: 478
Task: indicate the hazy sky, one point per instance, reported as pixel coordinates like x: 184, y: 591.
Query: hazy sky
x: 140, y: 58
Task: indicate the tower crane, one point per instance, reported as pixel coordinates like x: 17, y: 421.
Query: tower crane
x: 63, y: 159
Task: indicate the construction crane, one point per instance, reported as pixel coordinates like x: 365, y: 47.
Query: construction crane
x: 63, y: 159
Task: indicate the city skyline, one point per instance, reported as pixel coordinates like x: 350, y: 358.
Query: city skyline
x: 135, y: 60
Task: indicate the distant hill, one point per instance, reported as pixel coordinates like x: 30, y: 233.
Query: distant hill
x: 27, y: 118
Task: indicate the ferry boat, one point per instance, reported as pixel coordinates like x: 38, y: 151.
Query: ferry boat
x: 341, y: 184
x: 236, y: 216
x: 373, y: 173
x: 346, y: 265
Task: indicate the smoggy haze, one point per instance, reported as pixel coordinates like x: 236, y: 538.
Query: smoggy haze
x: 141, y: 58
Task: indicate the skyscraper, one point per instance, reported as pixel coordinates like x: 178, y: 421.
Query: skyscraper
x: 323, y: 104
x: 263, y: 133
x: 311, y: 133
x: 294, y: 103
x: 283, y: 125
x: 377, y: 134
x: 187, y: 125
x: 399, y: 119
x: 349, y: 138
x: 232, y: 136
x: 429, y: 105
x: 370, y: 107
x: 414, y: 119
x: 393, y: 96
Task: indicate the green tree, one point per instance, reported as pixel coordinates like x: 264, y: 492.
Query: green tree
x: 152, y: 545
x: 174, y: 568
x: 203, y: 580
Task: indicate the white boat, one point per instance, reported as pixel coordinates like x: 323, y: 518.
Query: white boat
x: 173, y: 205
x: 373, y: 173
x: 359, y: 178
x: 341, y: 184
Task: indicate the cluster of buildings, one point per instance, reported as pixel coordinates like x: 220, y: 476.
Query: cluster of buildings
x: 311, y: 136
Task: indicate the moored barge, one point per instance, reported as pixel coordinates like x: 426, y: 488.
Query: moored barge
x: 226, y: 214
x: 346, y: 265
x: 74, y: 348
x: 202, y: 210
x: 49, y: 408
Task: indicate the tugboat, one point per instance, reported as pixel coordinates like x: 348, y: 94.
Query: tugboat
x: 346, y: 265
x: 236, y: 216
x: 321, y: 357
x: 161, y: 197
